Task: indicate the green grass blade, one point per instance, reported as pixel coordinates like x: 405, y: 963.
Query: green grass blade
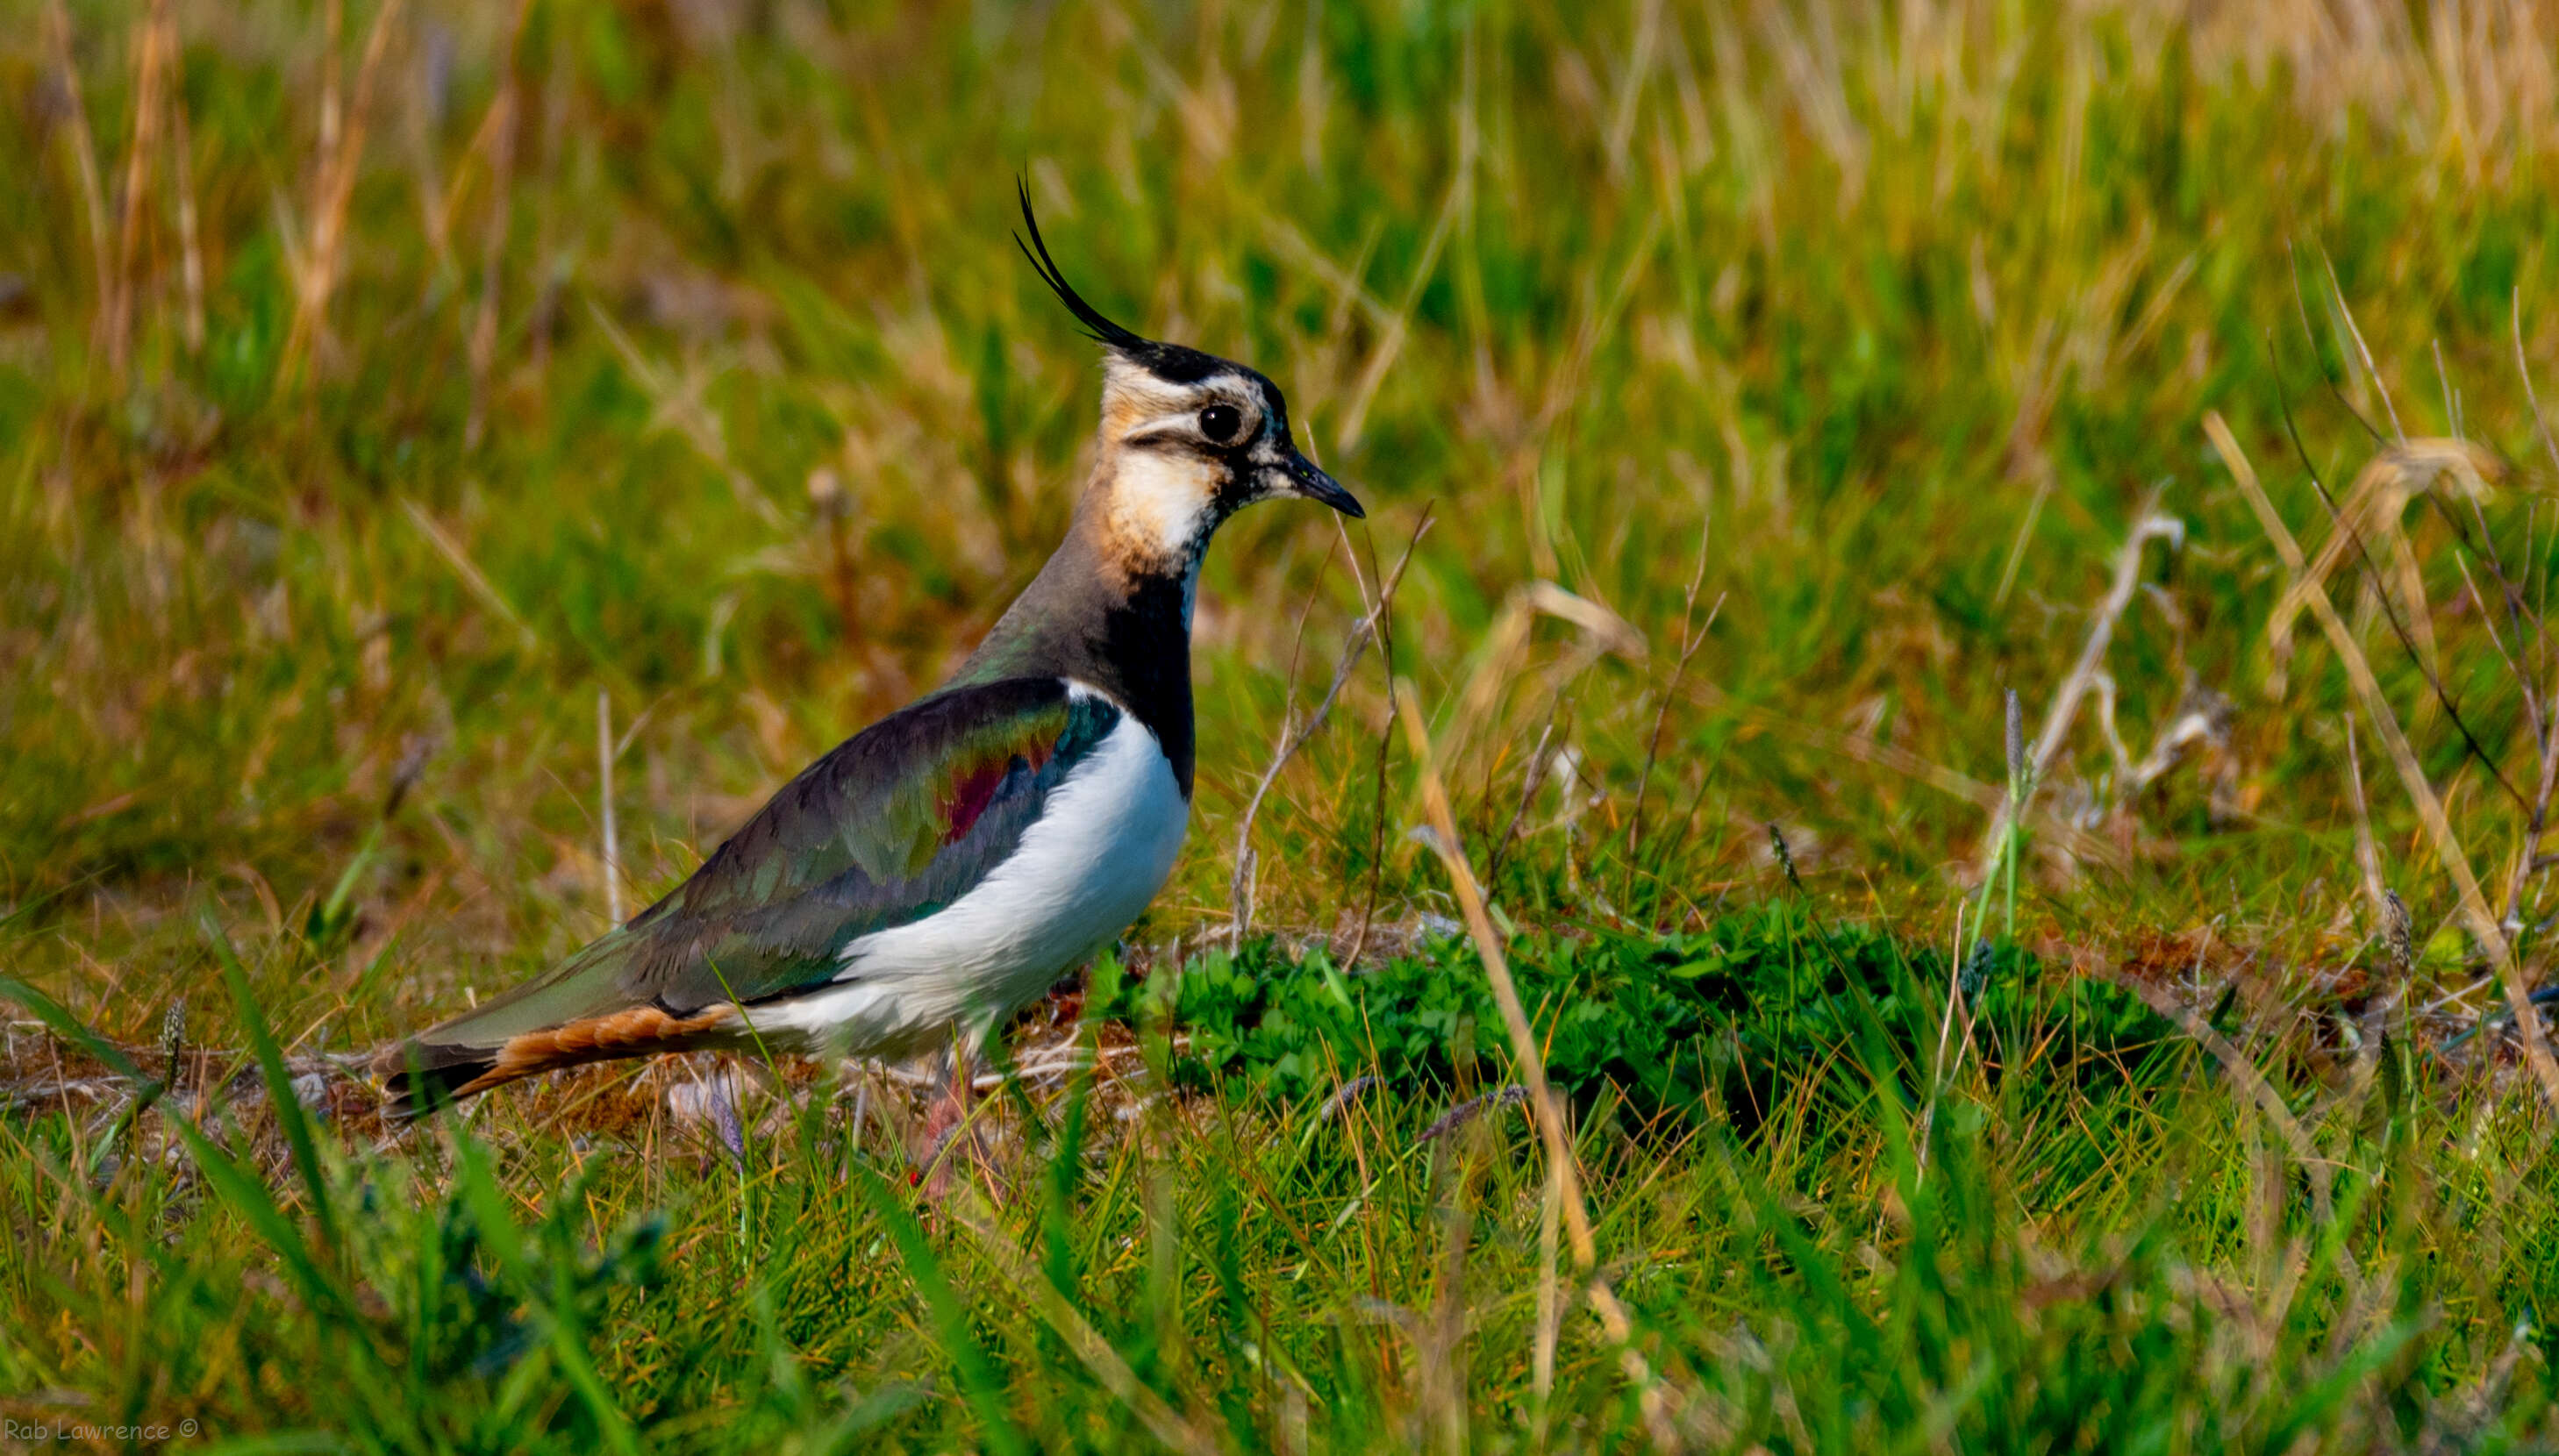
x: 290, y: 1115
x: 980, y: 1381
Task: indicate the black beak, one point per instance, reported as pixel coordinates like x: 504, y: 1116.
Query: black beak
x: 1305, y: 479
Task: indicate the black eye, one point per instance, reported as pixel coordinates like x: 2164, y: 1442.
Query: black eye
x: 1220, y: 422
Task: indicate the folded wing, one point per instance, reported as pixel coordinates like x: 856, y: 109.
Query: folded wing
x: 895, y: 823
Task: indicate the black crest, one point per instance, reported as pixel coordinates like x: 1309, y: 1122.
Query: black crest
x: 1170, y: 363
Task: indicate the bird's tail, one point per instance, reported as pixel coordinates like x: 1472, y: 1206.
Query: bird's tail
x: 496, y: 1040
x: 440, y: 1066
x: 417, y: 1075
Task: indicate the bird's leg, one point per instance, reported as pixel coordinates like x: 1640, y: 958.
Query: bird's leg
x: 947, y: 1120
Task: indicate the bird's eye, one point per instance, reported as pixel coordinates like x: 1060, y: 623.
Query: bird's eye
x: 1220, y: 422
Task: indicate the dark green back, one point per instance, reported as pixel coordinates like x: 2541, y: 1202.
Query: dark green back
x: 899, y: 821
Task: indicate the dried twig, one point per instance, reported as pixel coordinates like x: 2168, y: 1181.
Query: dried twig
x: 2367, y: 854
x: 1689, y: 642
x: 1468, y: 1110
x: 2146, y: 523
x: 2253, y: 1084
x: 604, y: 756
x: 1238, y: 887
x: 2374, y: 505
x: 2363, y: 350
x: 2523, y: 368
x: 2418, y: 639
x: 2390, y: 914
x: 2545, y: 715
x: 1385, y: 608
x: 2482, y: 921
x: 1531, y: 780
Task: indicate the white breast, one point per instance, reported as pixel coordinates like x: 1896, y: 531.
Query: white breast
x: 1102, y: 845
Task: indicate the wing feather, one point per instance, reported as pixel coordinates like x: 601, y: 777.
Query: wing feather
x: 896, y: 822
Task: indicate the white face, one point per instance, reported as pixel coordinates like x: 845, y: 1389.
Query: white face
x: 1165, y: 502
x: 1171, y: 480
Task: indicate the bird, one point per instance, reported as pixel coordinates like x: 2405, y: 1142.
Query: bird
x: 917, y: 885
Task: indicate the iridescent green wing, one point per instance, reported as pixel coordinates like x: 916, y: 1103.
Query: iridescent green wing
x: 895, y: 823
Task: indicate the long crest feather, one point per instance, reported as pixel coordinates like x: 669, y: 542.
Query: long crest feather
x: 1095, y: 322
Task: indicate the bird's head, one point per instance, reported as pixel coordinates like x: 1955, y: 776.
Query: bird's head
x: 1188, y: 438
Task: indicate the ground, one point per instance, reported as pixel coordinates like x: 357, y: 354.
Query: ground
x: 455, y: 459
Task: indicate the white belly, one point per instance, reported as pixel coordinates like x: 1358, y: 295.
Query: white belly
x: 1102, y: 847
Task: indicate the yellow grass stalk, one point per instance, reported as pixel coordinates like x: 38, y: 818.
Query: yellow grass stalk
x: 505, y: 116
x: 1561, y: 1164
x: 2475, y: 915
x: 2372, y: 509
x: 191, y: 249
x: 2252, y: 1084
x: 84, y: 152
x: 1071, y: 1327
x: 117, y: 318
x: 341, y: 148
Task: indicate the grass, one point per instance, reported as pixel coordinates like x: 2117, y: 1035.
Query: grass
x: 1784, y: 382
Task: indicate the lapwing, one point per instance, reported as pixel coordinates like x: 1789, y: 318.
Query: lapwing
x: 916, y: 886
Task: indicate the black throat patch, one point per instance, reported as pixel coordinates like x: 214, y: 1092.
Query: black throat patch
x: 1146, y: 644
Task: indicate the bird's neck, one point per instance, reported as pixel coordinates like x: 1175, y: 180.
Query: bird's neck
x: 1124, y: 626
